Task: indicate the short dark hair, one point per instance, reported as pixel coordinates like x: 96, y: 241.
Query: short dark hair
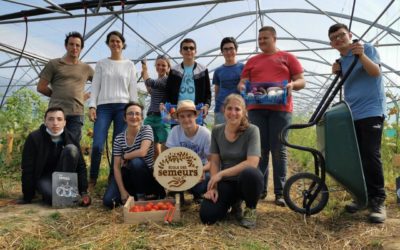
x: 54, y: 109
x: 76, y: 35
x: 268, y: 28
x: 337, y: 27
x: 118, y: 34
x: 188, y: 40
x: 133, y: 104
x: 226, y: 40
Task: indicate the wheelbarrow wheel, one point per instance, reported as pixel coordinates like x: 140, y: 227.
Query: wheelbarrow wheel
x: 299, y: 189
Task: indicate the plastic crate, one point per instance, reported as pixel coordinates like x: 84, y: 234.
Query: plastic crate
x: 265, y: 93
x: 167, y: 118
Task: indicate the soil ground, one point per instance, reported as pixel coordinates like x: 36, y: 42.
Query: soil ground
x: 36, y: 226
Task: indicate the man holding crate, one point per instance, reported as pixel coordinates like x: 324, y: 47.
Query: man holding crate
x: 272, y: 66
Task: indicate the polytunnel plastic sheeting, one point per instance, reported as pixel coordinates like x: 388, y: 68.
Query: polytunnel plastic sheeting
x: 157, y: 27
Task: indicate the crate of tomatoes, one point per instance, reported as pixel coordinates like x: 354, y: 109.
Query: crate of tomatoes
x: 166, y: 210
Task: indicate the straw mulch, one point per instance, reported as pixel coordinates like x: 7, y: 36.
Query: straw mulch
x: 37, y: 227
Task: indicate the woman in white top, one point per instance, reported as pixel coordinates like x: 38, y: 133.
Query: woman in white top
x: 113, y: 86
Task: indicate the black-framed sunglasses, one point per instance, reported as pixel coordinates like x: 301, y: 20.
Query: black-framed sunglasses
x: 188, y: 48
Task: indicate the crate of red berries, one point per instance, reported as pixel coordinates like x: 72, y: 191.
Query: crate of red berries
x: 166, y: 210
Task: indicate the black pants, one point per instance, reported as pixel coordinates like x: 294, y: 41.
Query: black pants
x: 369, y: 136
x: 247, y: 187
x: 68, y: 162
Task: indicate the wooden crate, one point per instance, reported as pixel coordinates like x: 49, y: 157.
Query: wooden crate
x: 154, y: 216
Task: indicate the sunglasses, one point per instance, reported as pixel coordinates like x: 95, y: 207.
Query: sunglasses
x: 186, y: 48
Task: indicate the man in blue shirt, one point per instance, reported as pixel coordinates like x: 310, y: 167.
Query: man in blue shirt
x: 364, y: 92
x: 226, y: 77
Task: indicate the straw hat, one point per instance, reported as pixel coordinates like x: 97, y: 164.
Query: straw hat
x: 185, y: 105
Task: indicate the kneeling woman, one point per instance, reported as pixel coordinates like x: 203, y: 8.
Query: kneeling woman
x: 133, y: 161
x: 235, y: 153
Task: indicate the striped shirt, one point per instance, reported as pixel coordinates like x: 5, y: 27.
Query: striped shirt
x: 145, y: 133
x: 158, y: 91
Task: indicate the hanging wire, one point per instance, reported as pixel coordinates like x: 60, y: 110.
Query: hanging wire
x: 352, y: 13
x: 123, y: 16
x: 16, y: 66
x: 351, y: 21
x: 85, y: 19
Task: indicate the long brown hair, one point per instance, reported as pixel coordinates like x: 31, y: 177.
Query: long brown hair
x: 244, y: 123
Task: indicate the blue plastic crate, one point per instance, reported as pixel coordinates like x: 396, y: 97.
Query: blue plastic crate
x: 166, y: 114
x: 266, y: 93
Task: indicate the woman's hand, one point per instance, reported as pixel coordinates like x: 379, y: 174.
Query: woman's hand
x: 212, y: 183
x: 92, y: 114
x: 124, y: 196
x: 212, y: 195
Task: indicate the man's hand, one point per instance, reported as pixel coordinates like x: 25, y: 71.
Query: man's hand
x: 336, y: 68
x: 357, y: 49
x: 86, y: 96
x: 289, y: 88
x: 241, y: 86
x: 92, y: 114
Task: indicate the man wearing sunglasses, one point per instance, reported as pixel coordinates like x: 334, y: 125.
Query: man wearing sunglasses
x: 189, y: 80
x: 365, y: 94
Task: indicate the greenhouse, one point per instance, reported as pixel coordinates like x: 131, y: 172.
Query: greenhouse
x: 34, y: 32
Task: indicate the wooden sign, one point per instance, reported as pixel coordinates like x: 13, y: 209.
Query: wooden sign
x: 178, y: 169
x: 65, y: 189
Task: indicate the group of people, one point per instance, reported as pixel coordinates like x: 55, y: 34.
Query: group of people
x: 235, y: 154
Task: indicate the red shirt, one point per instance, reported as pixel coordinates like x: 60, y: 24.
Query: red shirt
x: 272, y: 68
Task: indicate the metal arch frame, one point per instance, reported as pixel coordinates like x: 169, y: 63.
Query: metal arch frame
x: 264, y: 12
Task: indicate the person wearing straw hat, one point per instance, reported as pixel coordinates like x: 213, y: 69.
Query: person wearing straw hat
x: 190, y: 135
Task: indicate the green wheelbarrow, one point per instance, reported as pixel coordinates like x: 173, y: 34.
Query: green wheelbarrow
x: 337, y: 154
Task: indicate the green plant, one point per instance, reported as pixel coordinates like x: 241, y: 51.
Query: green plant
x: 22, y: 113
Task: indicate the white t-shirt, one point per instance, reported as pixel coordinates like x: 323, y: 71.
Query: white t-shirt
x: 199, y: 143
x: 114, y: 81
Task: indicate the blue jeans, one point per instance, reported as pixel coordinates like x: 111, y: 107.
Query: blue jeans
x: 138, y: 181
x: 271, y: 124
x: 219, y: 118
x: 74, y: 126
x: 106, y: 113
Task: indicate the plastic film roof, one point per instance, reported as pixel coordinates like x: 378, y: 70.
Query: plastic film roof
x: 157, y: 27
